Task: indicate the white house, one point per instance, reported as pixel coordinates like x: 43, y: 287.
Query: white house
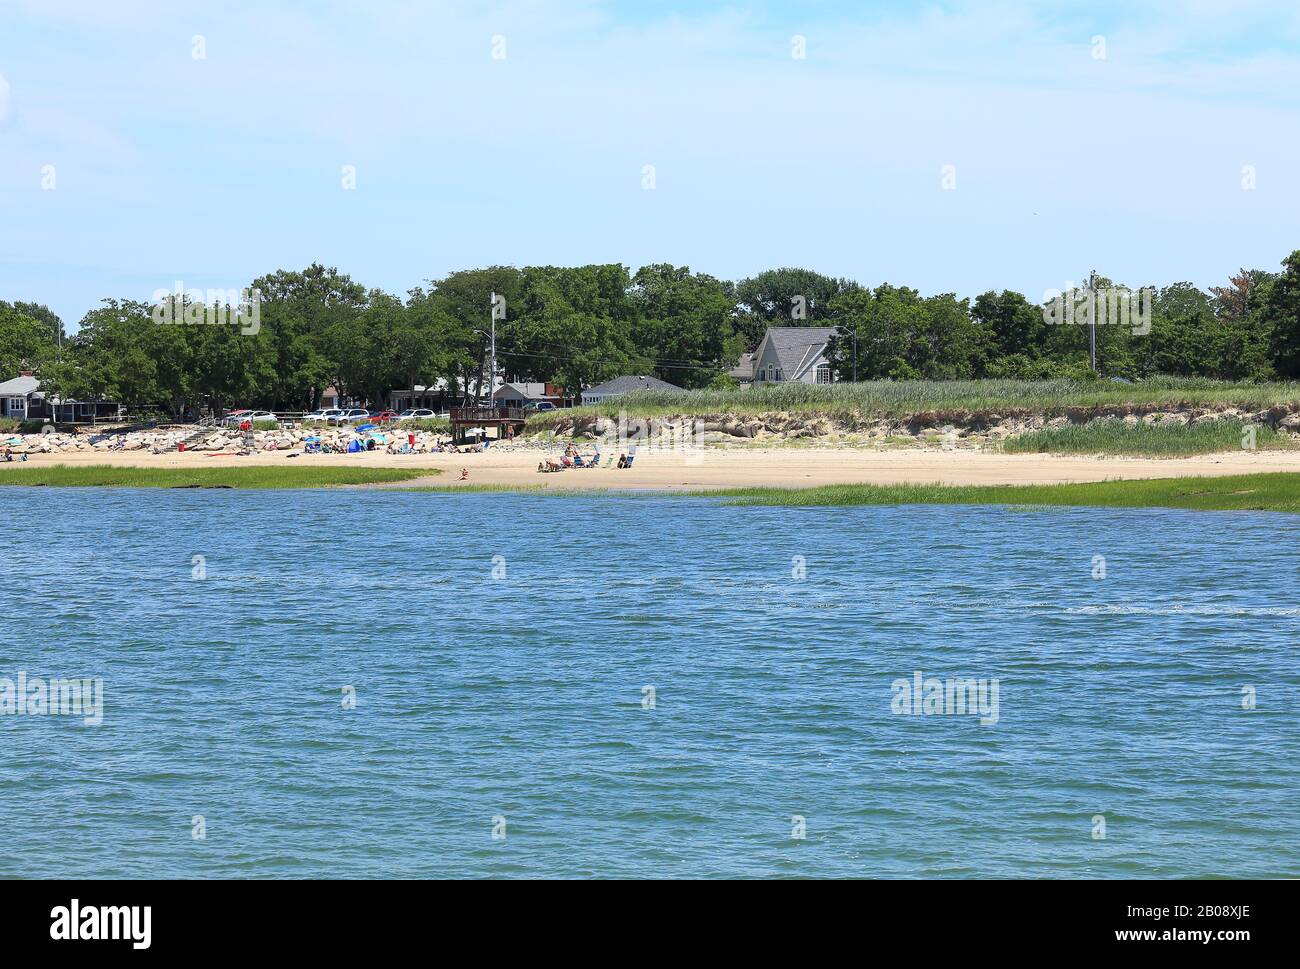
x: 793, y: 354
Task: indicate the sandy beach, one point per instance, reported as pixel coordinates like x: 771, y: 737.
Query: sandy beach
x: 733, y: 467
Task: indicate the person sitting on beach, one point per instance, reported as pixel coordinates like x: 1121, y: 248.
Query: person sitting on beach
x: 622, y: 460
x: 9, y: 454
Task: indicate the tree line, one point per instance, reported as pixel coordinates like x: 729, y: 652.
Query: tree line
x: 581, y: 325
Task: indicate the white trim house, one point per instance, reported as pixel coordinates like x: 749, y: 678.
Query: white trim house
x: 794, y: 354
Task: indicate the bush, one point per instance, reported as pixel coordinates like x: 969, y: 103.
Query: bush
x: 9, y: 425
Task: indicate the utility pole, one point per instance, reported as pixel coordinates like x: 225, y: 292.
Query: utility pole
x: 492, y: 374
x: 1092, y: 320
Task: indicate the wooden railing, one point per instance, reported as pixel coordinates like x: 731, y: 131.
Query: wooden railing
x: 497, y: 412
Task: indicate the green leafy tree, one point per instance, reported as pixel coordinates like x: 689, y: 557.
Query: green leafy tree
x: 684, y: 324
x: 771, y: 298
x: 297, y: 309
x: 26, y: 341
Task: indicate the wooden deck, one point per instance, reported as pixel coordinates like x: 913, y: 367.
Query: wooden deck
x: 487, y: 416
x: 500, y: 416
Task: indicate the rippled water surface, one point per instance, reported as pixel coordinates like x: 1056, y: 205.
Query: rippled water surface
x: 523, y: 697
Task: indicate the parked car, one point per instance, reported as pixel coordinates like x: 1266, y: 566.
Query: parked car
x: 417, y: 414
x: 539, y: 405
x: 237, y: 417
x: 352, y: 415
x: 383, y: 416
x: 326, y: 414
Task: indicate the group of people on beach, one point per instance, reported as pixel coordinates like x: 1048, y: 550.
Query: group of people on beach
x: 9, y: 455
x: 397, y: 445
x: 573, y: 458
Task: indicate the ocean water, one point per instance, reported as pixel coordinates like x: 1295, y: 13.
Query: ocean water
x: 503, y: 652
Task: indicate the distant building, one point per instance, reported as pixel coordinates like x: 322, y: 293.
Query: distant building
x: 743, y: 370
x: 793, y: 354
x: 622, y: 385
x: 23, y: 400
x: 530, y: 393
x: 436, y: 397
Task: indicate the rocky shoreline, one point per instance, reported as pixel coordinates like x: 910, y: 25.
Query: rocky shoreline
x: 961, y: 429
x: 971, y: 429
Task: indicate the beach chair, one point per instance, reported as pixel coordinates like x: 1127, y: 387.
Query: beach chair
x: 609, y: 461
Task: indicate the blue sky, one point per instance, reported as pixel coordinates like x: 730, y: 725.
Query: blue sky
x: 214, y: 170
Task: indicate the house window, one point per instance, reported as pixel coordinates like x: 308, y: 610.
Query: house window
x: 17, y: 406
x: 823, y: 373
x: 774, y: 374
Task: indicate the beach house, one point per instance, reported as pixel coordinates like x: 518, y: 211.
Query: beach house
x: 793, y: 354
x: 22, y: 399
x: 525, y: 394
x: 622, y: 385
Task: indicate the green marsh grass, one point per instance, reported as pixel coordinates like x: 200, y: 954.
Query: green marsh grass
x: 1113, y: 436
x: 1242, y: 492
x: 901, y: 398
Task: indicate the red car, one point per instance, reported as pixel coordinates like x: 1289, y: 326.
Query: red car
x: 383, y: 416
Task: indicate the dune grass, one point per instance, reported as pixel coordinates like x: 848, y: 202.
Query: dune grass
x: 1242, y: 492
x: 1152, y: 440
x: 257, y: 477
x: 901, y: 398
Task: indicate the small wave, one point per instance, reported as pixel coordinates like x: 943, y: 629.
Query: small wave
x: 1184, y: 610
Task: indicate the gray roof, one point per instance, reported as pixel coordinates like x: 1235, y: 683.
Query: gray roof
x: 798, y: 346
x: 529, y: 390
x: 19, y: 387
x: 621, y: 385
x: 744, y: 368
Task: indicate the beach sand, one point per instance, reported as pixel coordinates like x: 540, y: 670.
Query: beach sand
x: 734, y: 467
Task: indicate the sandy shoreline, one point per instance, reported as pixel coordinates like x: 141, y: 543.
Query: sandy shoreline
x: 733, y: 468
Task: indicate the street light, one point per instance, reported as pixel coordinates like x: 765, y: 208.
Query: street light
x: 1092, y: 320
